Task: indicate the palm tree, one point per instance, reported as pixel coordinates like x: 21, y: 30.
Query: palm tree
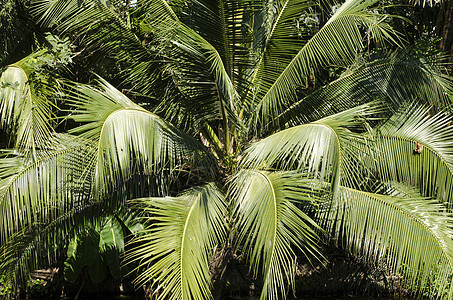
x: 255, y: 128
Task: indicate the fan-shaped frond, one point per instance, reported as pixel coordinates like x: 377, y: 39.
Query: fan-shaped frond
x: 336, y: 42
x: 409, y: 236
x: 416, y: 149
x: 25, y: 108
x: 176, y: 247
x: 270, y: 221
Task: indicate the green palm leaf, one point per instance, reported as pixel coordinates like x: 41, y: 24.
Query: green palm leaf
x: 40, y: 189
x: 221, y: 23
x: 270, y: 222
x: 130, y: 140
x: 199, y: 73
x: 390, y: 77
x: 337, y: 42
x: 277, y: 42
x: 396, y: 158
x: 103, y: 29
x: 329, y: 147
x: 179, y: 241
x: 45, y: 243
x: 409, y: 236
x: 191, y: 65
x: 25, y: 108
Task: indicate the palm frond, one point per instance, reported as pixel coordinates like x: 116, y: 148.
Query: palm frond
x: 407, y: 236
x: 198, y: 71
x: 224, y: 25
x: 270, y: 222
x: 277, y: 42
x: 336, y: 43
x: 25, y: 108
x: 130, y: 140
x: 415, y: 148
x: 34, y: 190
x: 104, y: 28
x: 329, y: 147
x: 189, y: 64
x: 392, y: 78
x: 180, y: 238
x: 43, y: 244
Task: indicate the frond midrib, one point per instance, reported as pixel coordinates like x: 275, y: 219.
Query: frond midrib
x: 425, y: 146
x: 186, y: 223
x: 274, y: 198
x: 35, y: 163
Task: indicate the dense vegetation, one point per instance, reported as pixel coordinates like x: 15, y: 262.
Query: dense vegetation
x: 151, y: 137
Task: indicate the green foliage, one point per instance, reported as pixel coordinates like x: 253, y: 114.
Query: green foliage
x: 269, y: 126
x: 98, y: 250
x: 17, y: 31
x: 269, y: 220
x: 179, y: 241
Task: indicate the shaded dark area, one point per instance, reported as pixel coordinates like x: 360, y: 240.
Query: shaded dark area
x: 344, y: 275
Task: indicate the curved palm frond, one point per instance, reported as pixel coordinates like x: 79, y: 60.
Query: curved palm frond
x: 25, y: 108
x: 43, y: 244
x: 329, y: 147
x: 52, y: 12
x: 199, y: 73
x: 336, y: 42
x: 270, y: 222
x: 277, y: 42
x: 190, y: 64
x: 181, y: 236
x: 131, y: 140
x: 35, y: 190
x: 104, y: 27
x: 392, y: 78
x: 408, y: 236
x: 415, y: 148
x: 223, y: 24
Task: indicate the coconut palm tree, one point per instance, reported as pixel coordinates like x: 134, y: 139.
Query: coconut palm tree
x: 264, y: 125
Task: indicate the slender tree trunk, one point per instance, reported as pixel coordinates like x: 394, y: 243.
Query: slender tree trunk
x: 447, y: 28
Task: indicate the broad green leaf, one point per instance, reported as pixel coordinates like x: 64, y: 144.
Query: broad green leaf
x: 111, y: 236
x: 98, y: 269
